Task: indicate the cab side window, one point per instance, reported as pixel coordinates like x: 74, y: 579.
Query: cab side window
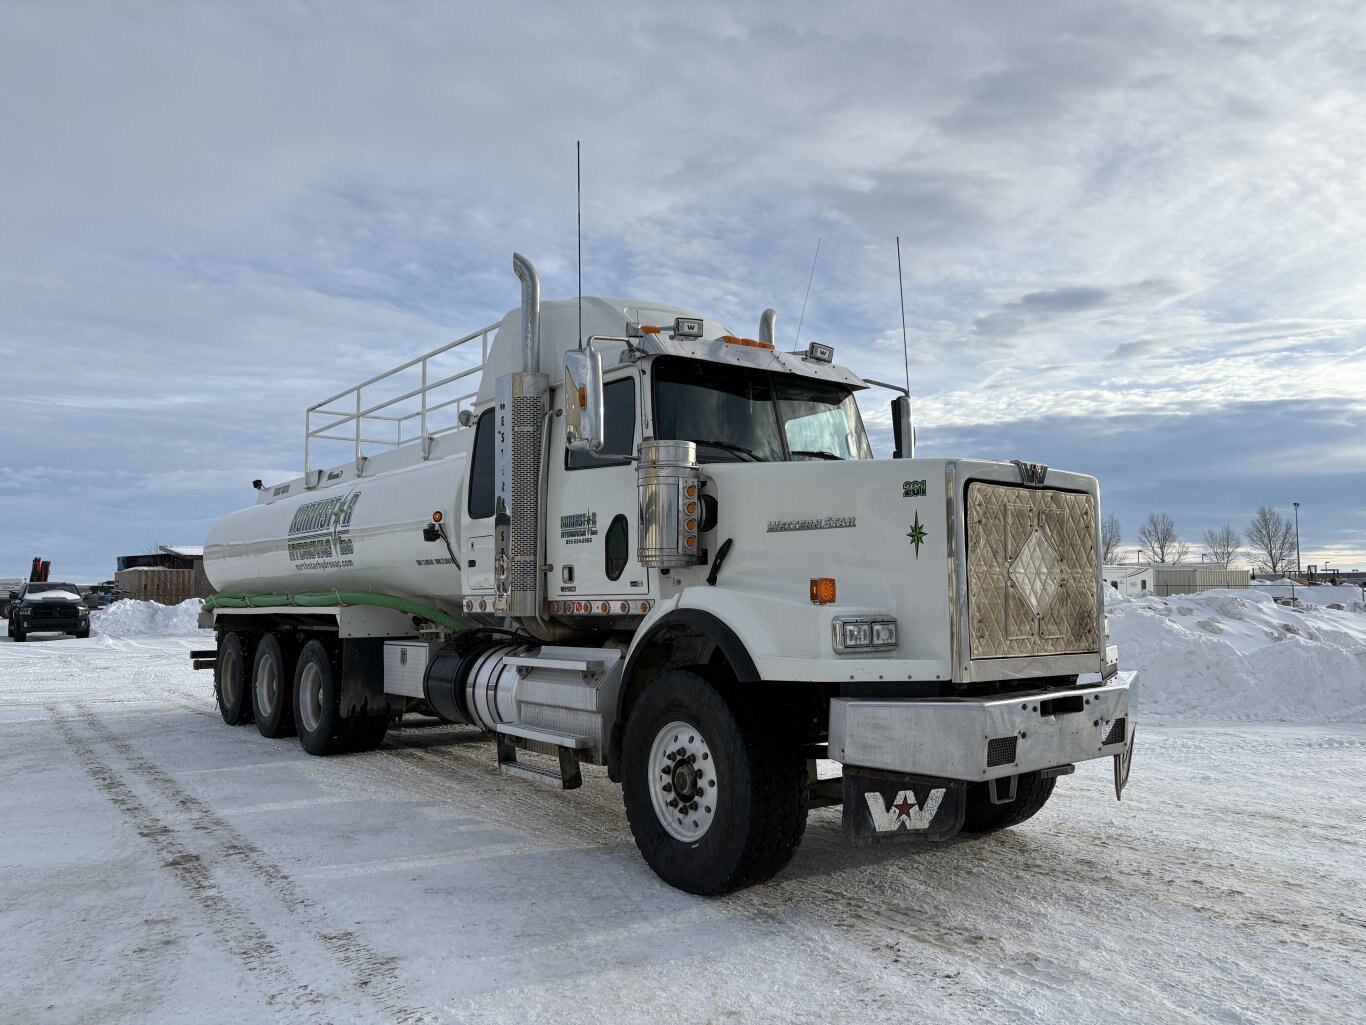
x: 481, y: 468
x: 619, y: 408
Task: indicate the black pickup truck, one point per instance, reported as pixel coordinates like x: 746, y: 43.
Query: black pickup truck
x: 47, y: 608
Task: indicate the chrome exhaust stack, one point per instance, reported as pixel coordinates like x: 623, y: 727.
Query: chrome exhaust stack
x: 522, y: 402
x: 767, y: 322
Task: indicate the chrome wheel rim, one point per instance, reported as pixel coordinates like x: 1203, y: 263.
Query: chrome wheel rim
x: 228, y: 677
x: 311, y: 697
x: 682, y: 781
x: 267, y: 686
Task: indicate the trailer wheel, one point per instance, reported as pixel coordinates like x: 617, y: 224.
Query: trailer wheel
x: 715, y: 801
x: 1031, y: 793
x: 272, y: 687
x: 231, y: 679
x: 323, y: 730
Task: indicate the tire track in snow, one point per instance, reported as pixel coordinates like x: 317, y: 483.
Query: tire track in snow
x: 371, y: 973
x: 227, y: 917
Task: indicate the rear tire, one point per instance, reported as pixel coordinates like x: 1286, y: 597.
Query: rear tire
x: 272, y: 687
x: 317, y: 702
x: 232, y: 679
x: 1031, y: 793
x: 749, y: 789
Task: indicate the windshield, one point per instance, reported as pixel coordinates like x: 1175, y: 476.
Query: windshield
x: 738, y: 414
x: 37, y: 588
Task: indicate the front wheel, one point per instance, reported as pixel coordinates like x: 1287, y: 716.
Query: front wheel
x: 715, y: 801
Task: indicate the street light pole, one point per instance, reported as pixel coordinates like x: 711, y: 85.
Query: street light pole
x: 1298, y: 571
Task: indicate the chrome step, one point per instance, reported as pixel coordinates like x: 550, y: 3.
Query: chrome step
x: 512, y: 736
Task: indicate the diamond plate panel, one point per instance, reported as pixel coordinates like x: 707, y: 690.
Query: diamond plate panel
x: 1031, y: 572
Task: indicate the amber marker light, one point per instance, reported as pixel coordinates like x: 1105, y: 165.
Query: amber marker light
x: 436, y: 516
x: 823, y: 590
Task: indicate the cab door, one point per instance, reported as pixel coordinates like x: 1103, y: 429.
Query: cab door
x: 591, y: 528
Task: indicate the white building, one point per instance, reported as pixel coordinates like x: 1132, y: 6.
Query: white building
x: 1174, y: 578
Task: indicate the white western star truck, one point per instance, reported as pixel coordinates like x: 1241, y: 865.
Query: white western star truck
x: 676, y: 557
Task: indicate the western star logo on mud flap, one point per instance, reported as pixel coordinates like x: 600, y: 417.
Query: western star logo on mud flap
x: 313, y: 525
x: 904, y: 810
x: 879, y: 806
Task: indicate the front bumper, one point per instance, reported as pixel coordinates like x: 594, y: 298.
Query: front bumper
x: 52, y: 624
x: 976, y: 739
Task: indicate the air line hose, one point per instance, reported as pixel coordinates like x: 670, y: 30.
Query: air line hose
x: 318, y: 599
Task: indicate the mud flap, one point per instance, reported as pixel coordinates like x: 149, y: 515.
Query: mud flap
x: 1123, y: 761
x: 886, y: 807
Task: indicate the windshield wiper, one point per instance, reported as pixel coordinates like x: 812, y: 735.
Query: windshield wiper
x: 727, y: 446
x: 816, y: 452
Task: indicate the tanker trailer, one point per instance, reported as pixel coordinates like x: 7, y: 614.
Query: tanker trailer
x: 677, y: 559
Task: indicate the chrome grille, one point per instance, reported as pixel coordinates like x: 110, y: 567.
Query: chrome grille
x: 1031, y: 571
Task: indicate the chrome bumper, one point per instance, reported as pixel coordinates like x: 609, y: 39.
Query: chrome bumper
x: 983, y: 738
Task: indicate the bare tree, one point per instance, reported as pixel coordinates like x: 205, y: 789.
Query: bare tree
x: 1111, y: 537
x: 1157, y: 539
x: 1271, y: 537
x: 1223, y: 544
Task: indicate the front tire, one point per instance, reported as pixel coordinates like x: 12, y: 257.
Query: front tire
x: 1031, y: 793
x: 715, y: 801
x: 317, y: 702
x: 272, y: 689
x: 232, y: 679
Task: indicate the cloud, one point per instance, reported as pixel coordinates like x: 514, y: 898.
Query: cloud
x: 214, y: 216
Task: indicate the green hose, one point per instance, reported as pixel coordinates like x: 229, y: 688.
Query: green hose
x: 330, y: 598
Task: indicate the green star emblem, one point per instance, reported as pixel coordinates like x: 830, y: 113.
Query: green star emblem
x: 917, y: 534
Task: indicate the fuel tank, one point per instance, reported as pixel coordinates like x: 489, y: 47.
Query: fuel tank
x: 359, y: 534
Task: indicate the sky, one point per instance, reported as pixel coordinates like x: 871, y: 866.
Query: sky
x: 1133, y: 235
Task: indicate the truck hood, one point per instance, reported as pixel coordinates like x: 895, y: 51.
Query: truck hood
x: 62, y: 596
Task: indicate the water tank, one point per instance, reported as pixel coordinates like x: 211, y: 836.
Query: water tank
x: 361, y: 534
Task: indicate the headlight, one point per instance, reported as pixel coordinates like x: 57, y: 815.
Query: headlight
x: 854, y: 634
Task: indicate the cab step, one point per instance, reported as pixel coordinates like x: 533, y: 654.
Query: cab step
x: 513, y: 736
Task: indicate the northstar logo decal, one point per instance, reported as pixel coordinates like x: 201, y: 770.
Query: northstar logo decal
x: 917, y: 534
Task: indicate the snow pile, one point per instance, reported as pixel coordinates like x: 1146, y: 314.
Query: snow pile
x: 128, y: 617
x: 1238, y: 655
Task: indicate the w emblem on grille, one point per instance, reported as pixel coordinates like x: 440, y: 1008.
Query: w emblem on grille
x: 1032, y: 474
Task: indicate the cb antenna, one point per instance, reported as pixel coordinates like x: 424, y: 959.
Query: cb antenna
x: 901, y: 287
x: 578, y: 212
x: 808, y: 293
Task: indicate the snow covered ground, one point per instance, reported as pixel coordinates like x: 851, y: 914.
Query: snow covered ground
x: 158, y: 866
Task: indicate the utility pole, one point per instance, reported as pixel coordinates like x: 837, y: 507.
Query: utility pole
x: 1298, y: 571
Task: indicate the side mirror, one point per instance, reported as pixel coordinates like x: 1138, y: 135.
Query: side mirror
x: 903, y: 428
x: 583, y: 426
